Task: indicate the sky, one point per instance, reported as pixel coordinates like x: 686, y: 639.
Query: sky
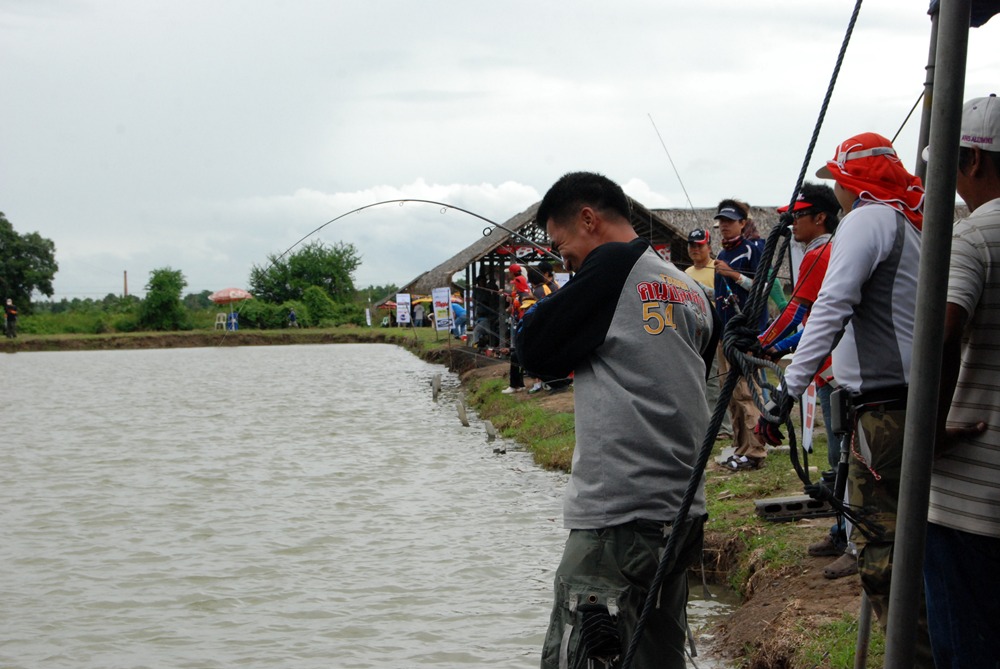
x: 206, y: 135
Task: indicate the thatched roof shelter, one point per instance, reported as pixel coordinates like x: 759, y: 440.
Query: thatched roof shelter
x: 497, y: 249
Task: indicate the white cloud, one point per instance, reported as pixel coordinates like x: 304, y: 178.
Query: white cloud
x: 204, y: 136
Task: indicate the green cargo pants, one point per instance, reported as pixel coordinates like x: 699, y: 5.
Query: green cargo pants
x: 612, y: 568
x: 875, y: 470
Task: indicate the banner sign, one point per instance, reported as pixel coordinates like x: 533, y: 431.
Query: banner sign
x: 442, y: 308
x: 402, y: 309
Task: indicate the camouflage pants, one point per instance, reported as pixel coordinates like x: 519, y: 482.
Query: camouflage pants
x: 607, y: 572
x: 876, y: 464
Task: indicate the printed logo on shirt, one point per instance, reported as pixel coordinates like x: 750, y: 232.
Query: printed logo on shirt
x: 659, y: 298
x: 669, y: 289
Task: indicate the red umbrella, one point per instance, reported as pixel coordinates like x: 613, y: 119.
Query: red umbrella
x: 229, y: 295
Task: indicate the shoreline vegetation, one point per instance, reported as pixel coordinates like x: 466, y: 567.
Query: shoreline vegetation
x: 791, y: 617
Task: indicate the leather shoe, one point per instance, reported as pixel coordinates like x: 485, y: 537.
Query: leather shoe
x: 845, y: 565
x: 826, y: 547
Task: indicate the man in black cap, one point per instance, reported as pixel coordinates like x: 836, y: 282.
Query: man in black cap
x: 702, y: 270
x: 735, y: 269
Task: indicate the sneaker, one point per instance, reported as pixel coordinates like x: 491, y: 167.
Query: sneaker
x: 845, y: 565
x: 511, y: 391
x: 535, y: 388
x: 826, y: 547
x: 737, y: 463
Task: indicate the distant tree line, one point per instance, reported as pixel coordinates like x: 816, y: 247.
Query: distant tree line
x: 317, y: 281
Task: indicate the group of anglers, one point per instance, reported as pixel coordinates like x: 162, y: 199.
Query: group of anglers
x: 639, y: 334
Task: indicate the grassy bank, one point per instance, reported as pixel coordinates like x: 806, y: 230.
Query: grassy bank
x: 791, y: 617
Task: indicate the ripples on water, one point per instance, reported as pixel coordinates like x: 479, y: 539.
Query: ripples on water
x: 305, y: 506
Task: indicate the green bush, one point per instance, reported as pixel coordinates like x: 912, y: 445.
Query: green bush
x: 261, y: 315
x: 321, y: 309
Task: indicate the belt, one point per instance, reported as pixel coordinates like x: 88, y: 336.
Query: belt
x: 886, y: 399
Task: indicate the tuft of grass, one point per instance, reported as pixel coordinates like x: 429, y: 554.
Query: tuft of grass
x: 549, y: 436
x: 833, y: 645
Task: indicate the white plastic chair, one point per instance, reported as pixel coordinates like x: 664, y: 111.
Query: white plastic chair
x: 220, y: 320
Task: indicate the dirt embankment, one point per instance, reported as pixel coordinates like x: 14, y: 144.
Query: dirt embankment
x: 192, y: 339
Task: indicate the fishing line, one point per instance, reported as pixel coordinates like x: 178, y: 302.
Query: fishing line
x: 663, y: 144
x: 905, y: 120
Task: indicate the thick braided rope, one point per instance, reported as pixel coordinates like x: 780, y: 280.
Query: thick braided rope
x: 758, y: 302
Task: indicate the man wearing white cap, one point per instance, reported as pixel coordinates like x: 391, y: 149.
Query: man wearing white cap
x: 963, y: 531
x: 864, y: 315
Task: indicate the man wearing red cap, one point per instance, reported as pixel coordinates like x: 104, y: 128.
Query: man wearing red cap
x: 864, y: 314
x: 962, y: 558
x: 520, y: 295
x: 815, y: 217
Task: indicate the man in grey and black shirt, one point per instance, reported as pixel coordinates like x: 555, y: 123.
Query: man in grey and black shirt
x: 639, y: 335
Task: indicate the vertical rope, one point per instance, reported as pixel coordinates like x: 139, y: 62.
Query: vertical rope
x: 757, y: 301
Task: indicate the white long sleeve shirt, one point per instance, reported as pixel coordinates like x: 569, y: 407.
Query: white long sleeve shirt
x: 865, y: 310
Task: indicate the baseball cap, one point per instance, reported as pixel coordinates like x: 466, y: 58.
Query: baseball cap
x: 800, y: 204
x: 699, y: 236
x: 514, y: 268
x: 732, y: 213
x: 980, y: 125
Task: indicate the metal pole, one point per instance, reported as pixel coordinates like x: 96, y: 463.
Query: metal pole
x: 864, y: 625
x: 925, y: 375
x: 925, y: 116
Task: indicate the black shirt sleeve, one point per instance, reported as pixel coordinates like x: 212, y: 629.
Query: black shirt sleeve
x: 557, y: 333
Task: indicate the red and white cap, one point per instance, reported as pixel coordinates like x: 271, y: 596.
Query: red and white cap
x: 800, y: 204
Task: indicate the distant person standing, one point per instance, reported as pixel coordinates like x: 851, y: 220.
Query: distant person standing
x: 10, y: 314
x: 702, y: 270
x: 735, y: 269
x: 418, y: 316
x: 293, y: 320
x: 520, y: 295
x: 458, y: 313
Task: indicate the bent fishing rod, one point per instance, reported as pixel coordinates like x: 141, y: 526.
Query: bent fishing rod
x: 444, y: 208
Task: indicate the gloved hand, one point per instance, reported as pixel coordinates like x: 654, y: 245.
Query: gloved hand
x: 776, y: 412
x: 772, y: 354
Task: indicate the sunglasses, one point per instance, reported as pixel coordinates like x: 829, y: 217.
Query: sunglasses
x: 805, y: 212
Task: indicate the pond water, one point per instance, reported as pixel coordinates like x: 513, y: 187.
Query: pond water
x: 301, y: 506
